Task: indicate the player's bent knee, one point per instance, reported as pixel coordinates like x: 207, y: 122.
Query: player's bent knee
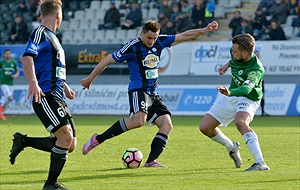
x: 203, y: 129
x: 138, y: 123
x: 66, y: 139
x: 240, y: 123
x: 166, y: 129
x: 169, y: 127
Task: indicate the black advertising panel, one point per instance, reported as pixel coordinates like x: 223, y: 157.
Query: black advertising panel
x: 82, y: 59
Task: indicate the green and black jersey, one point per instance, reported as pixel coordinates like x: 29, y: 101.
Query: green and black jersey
x: 7, y: 70
x: 247, y: 78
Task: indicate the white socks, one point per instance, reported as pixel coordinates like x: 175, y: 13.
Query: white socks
x: 251, y: 140
x: 224, y: 140
x: 253, y: 144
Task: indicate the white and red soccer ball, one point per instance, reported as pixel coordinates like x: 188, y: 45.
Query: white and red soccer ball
x: 132, y: 158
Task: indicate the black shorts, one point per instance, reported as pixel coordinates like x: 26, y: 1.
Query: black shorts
x: 53, y: 113
x: 152, y: 105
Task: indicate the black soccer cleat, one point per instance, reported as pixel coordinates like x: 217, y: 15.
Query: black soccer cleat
x: 17, y: 146
x: 51, y: 186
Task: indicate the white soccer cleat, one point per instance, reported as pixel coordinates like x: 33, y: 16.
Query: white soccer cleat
x: 235, y: 154
x: 258, y: 167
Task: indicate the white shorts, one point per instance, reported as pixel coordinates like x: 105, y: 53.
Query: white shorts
x: 7, y: 90
x: 225, y: 108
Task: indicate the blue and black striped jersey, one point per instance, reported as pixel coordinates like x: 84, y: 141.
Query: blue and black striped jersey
x: 143, y: 62
x: 49, y: 60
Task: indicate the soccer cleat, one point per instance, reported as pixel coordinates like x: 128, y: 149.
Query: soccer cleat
x: 2, y: 116
x: 235, y: 154
x: 52, y: 186
x: 92, y: 143
x: 154, y: 163
x: 265, y: 114
x: 257, y: 167
x: 17, y: 146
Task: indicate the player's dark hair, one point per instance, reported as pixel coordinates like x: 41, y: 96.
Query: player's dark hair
x: 245, y: 41
x: 151, y: 25
x: 49, y: 7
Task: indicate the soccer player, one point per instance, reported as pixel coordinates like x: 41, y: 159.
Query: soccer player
x: 239, y: 102
x: 142, y: 55
x: 9, y: 71
x: 45, y: 69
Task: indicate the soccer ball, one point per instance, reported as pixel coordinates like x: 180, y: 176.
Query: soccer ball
x: 132, y: 158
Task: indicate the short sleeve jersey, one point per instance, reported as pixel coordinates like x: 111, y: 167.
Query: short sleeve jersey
x: 7, y: 70
x: 248, y: 73
x: 143, y: 62
x: 49, y: 60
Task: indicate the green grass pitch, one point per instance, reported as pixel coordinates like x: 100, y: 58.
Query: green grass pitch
x: 194, y: 161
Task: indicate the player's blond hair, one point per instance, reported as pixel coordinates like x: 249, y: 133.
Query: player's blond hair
x: 50, y: 7
x: 245, y: 41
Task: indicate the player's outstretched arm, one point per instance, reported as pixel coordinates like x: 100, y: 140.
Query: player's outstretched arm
x: 194, y: 33
x: 86, y: 82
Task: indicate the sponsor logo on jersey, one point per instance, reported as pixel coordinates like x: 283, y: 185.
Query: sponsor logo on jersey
x: 236, y: 80
x: 33, y: 48
x: 151, y: 74
x: 61, y: 72
x: 151, y: 61
x: 118, y: 54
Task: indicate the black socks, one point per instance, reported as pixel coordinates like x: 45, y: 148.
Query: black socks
x: 116, y: 129
x: 157, y: 146
x: 40, y: 143
x: 58, y: 159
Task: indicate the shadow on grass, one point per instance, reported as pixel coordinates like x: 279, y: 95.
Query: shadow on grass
x: 23, y: 172
x: 150, y: 172
x: 129, y: 173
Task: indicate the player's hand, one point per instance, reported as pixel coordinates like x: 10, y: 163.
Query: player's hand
x: 86, y: 83
x: 212, y: 26
x: 222, y: 69
x: 69, y: 92
x: 223, y: 90
x: 35, y: 92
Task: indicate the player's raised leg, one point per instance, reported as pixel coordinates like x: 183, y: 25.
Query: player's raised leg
x: 116, y: 129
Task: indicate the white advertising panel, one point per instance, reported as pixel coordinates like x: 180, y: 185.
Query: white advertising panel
x: 207, y: 57
x: 20, y: 104
x: 280, y: 99
x: 281, y: 57
x: 175, y: 60
x: 100, y: 99
x: 278, y: 57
